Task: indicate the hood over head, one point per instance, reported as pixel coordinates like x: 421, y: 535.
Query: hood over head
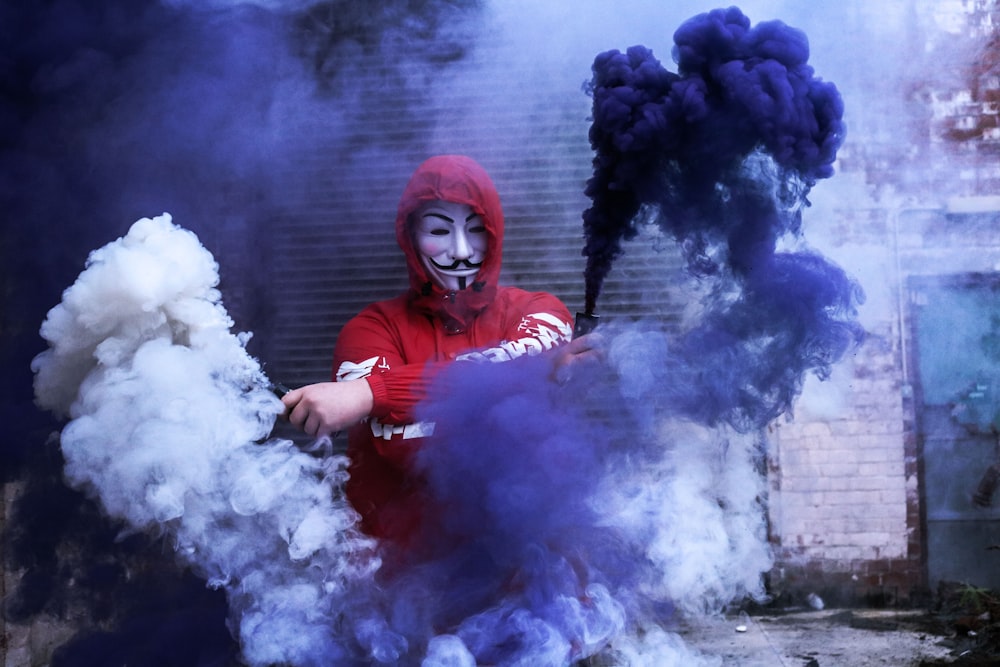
x: 459, y: 179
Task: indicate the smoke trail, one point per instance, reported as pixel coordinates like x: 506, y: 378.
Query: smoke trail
x: 678, y: 142
x: 722, y: 155
x: 168, y: 416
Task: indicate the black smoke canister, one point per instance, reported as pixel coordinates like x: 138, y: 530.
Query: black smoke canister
x: 585, y: 323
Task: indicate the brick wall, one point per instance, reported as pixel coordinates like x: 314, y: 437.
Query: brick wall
x: 844, y: 503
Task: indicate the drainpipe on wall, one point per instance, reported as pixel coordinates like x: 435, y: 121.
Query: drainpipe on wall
x: 907, y: 388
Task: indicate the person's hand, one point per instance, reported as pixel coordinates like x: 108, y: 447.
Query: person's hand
x: 327, y: 407
x: 586, y: 349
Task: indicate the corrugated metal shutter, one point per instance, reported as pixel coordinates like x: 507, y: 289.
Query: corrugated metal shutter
x: 333, y: 245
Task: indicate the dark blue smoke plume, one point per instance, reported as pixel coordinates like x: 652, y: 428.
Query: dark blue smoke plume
x: 722, y: 155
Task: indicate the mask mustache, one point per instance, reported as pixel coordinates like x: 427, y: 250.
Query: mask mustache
x: 457, y: 264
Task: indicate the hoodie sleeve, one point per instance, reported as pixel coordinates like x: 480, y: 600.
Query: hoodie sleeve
x: 369, y: 348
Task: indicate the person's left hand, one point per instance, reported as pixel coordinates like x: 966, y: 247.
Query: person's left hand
x: 586, y: 349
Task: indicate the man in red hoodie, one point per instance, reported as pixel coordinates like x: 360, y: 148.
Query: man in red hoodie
x: 450, y: 227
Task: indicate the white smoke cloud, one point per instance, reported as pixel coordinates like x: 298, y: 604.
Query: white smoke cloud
x: 699, y: 512
x: 168, y: 424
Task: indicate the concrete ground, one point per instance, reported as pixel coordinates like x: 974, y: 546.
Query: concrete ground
x: 827, y: 638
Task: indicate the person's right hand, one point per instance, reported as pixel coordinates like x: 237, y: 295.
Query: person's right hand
x: 327, y: 407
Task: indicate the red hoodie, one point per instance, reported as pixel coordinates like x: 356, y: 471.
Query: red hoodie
x: 396, y: 345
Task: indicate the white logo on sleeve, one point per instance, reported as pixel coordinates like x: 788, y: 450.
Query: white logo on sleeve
x: 543, y: 331
x: 355, y: 371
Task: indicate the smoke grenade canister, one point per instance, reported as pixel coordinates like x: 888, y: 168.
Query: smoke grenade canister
x: 279, y: 389
x: 585, y: 323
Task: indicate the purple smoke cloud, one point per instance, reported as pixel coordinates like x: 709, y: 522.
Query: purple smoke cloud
x: 722, y: 156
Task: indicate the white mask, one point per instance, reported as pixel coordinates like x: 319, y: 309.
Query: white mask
x: 451, y: 241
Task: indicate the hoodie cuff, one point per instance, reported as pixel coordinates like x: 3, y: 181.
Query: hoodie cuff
x: 377, y: 384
